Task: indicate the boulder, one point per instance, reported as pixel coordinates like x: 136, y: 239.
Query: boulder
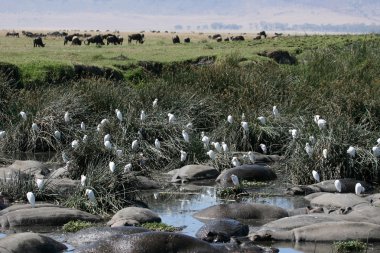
x: 242, y: 211
x: 131, y: 216
x: 25, y: 215
x: 31, y: 243
x: 221, y: 230
x: 337, y: 200
x: 249, y: 172
x: 26, y: 168
x: 194, y: 172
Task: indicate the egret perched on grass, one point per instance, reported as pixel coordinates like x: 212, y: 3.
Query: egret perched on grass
x: 294, y: 133
x: 217, y: 146
x: 35, y: 127
x: 275, y: 111
x: 312, y: 139
x: 107, y: 137
x: 83, y: 180
x: 322, y: 124
x: 244, y: 124
x: 230, y: 119
x: 85, y: 138
x: 2, y: 134
x: 378, y: 141
x: 189, y: 126
x: 351, y: 151
x: 31, y: 198
x: 211, y: 154
x: 235, y: 180
x: 183, y: 156
x: 65, y: 158
x: 325, y: 153
x: 338, y: 185
x: 309, y: 150
x: 155, y: 101
x: 67, y: 117
x: 171, y: 118
x: 119, y: 115
x: 91, y: 196
x: 142, y: 115
x: 262, y: 120
x: 263, y: 148
x: 75, y: 144
x: 112, y: 166
x: 376, y: 151
x: 316, y: 176
x: 185, y: 136
x: 82, y: 126
x: 108, y: 145
x: 40, y: 183
x: 243, y: 117
x: 104, y: 122
x: 119, y: 153
x: 99, y: 127
x: 23, y: 115
x: 235, y: 162
x: 157, y: 144
x: 316, y: 118
x: 57, y: 134
x: 251, y: 156
x: 205, y: 140
x: 225, y: 147
x: 128, y: 168
x: 135, y: 145
x: 359, y: 189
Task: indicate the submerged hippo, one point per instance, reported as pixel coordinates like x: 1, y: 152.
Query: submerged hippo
x: 221, y: 230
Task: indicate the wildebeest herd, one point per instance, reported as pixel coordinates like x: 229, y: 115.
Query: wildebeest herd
x: 78, y: 39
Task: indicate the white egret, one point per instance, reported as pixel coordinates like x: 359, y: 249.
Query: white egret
x: 275, y: 111
x: 83, y: 180
x: 183, y: 156
x: 251, y: 156
x: 35, y: 127
x: 104, y: 121
x: 57, y: 134
x: 171, y: 118
x: 325, y: 153
x: 40, y: 183
x: 230, y: 119
x: 262, y: 120
x: 316, y: 118
x: 91, y: 196
x: 225, y: 147
x: 23, y: 115
x: 378, y: 141
x: 263, y: 148
x: 189, y: 126
x: 135, y: 144
x: 2, y: 134
x: 243, y: 117
x: 119, y: 153
x: 142, y: 115
x: 108, y: 145
x: 99, y: 127
x: 321, y: 124
x: 312, y: 139
x: 376, y: 151
x: 217, y: 146
x: 244, y: 124
x: 235, y: 162
x: 351, y: 151
x: 155, y: 101
x: 205, y: 140
x: 128, y: 168
x: 107, y: 137
x: 309, y: 150
x: 67, y: 117
x: 294, y: 133
x: 75, y: 144
x: 185, y: 136
x: 157, y: 144
x: 235, y: 180
x: 31, y: 198
x: 112, y: 166
x: 85, y: 138
x: 65, y: 158
x: 82, y: 126
x: 119, y: 115
x: 211, y: 154
x: 316, y: 176
x: 359, y: 189
x: 338, y: 185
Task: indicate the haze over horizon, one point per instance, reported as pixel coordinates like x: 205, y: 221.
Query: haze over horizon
x: 359, y: 16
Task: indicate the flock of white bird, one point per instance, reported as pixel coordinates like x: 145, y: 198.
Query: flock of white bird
x: 218, y: 148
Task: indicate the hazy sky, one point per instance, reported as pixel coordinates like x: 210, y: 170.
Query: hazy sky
x: 135, y: 15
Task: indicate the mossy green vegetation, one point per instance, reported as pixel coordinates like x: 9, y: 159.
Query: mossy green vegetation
x: 350, y: 246
x: 75, y: 226
x: 159, y: 226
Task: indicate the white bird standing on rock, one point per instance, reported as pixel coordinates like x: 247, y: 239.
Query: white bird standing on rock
x: 262, y: 120
x: 31, y: 198
x: 235, y: 180
x: 359, y: 189
x: 211, y: 154
x: 275, y: 111
x: 157, y: 144
x: 263, y: 148
x: 35, y: 127
x: 83, y: 180
x: 75, y: 144
x: 251, y: 156
x: 230, y: 119
x: 112, y: 166
x: 351, y: 151
x: 183, y: 156
x: 135, y: 145
x: 155, y: 101
x: 217, y: 146
x: 82, y: 126
x: 325, y: 153
x: 171, y: 118
x: 119, y: 115
x: 142, y: 115
x: 321, y: 124
x: 40, y: 183
x: 225, y: 147
x: 235, y: 162
x: 108, y: 145
x: 244, y: 124
x: 23, y: 115
x: 91, y: 196
x: 2, y: 134
x: 338, y: 185
x: 67, y: 117
x: 185, y: 136
x: 376, y: 151
x: 316, y: 176
x: 309, y: 150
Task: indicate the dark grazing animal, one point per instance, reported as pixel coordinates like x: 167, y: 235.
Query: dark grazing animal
x: 37, y: 42
x: 237, y: 38
x: 97, y: 39
x: 116, y: 40
x: 138, y: 37
x: 76, y: 41
x: 12, y: 34
x: 186, y: 40
x: 176, y: 39
x: 215, y: 36
x: 262, y: 33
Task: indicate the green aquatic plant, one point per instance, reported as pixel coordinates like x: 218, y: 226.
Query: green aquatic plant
x: 350, y: 246
x: 75, y: 226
